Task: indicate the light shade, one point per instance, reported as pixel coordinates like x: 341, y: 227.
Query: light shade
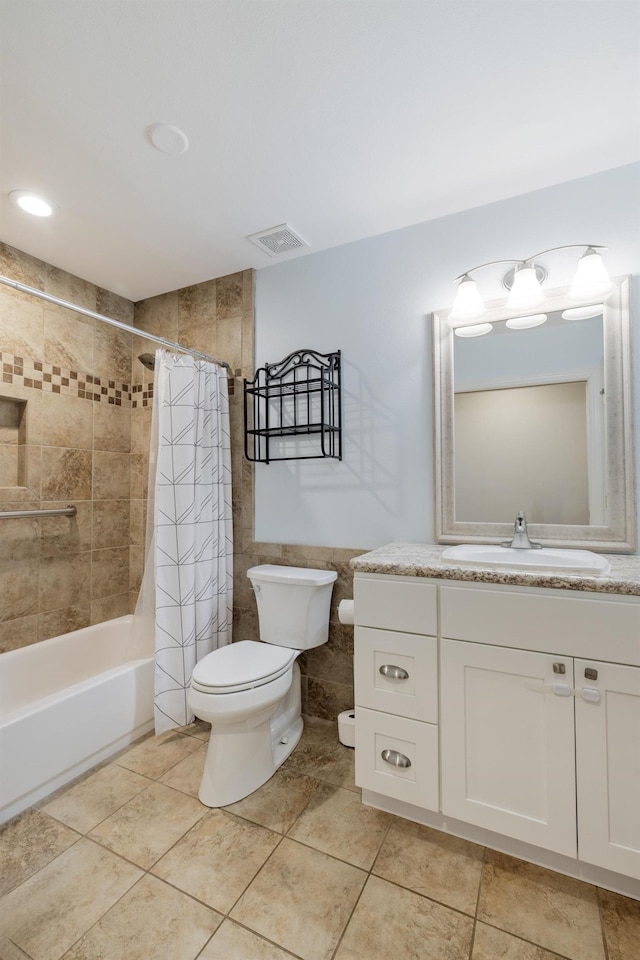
x: 582, y: 313
x: 526, y: 291
x: 475, y: 330
x: 525, y: 323
x: 468, y: 304
x: 591, y: 279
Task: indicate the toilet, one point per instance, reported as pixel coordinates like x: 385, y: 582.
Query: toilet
x: 250, y: 691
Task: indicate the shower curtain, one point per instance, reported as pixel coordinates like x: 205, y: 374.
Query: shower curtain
x: 187, y: 593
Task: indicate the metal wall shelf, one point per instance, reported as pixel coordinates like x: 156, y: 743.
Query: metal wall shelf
x: 298, y: 397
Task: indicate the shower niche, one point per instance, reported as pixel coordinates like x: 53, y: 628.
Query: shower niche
x: 293, y: 409
x: 12, y: 442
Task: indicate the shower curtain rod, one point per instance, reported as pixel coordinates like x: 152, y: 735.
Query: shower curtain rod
x: 23, y: 288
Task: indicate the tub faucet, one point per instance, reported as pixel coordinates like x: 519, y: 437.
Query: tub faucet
x: 520, y: 539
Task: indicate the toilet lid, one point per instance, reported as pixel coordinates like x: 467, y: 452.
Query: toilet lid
x: 240, y: 666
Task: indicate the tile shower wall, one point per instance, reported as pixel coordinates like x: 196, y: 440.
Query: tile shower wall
x: 65, y: 432
x: 75, y: 418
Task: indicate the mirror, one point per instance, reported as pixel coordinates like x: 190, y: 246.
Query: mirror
x: 537, y: 419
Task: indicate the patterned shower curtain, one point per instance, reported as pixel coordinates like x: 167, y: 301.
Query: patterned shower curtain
x: 192, y: 539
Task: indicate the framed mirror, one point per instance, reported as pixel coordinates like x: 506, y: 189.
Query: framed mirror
x: 535, y: 415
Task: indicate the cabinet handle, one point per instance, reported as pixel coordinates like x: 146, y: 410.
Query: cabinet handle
x: 393, y: 672
x: 591, y: 674
x: 395, y: 759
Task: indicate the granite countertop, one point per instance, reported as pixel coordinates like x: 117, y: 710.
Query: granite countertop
x: 425, y: 560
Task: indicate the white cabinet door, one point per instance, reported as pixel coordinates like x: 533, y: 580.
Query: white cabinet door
x: 608, y: 765
x: 507, y: 742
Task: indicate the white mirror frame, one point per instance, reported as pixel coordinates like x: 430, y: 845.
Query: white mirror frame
x: 620, y: 536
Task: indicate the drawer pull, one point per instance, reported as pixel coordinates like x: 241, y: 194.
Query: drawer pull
x: 395, y: 759
x: 393, y: 673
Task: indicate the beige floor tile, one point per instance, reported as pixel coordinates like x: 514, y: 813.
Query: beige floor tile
x: 9, y: 951
x: 556, y: 912
x: 217, y: 860
x: 279, y: 802
x: 50, y: 911
x: 231, y: 942
x: 147, y: 826
x: 621, y: 922
x: 27, y: 844
x: 318, y: 750
x: 84, y: 805
x: 337, y: 822
x: 492, y: 944
x: 343, y: 771
x: 186, y: 776
x: 432, y: 863
x: 301, y: 900
x: 151, y: 920
x: 155, y: 756
x: 390, y: 923
x: 199, y: 728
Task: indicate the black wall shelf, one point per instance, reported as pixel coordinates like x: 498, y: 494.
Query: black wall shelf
x: 298, y: 397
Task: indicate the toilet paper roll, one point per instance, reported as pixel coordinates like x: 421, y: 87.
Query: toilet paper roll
x: 347, y: 728
x: 345, y: 611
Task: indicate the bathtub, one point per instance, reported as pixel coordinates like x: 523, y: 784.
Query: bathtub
x: 66, y: 704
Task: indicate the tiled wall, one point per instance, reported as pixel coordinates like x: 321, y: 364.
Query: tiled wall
x: 69, y: 378
x: 83, y: 438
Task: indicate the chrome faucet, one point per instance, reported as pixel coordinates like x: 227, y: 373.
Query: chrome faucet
x: 520, y: 539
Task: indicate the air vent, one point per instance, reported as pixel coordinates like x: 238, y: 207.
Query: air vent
x: 278, y: 240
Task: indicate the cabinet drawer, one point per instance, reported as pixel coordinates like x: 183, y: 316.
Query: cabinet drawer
x: 396, y: 605
x: 417, y: 742
x: 414, y: 696
x: 574, y: 625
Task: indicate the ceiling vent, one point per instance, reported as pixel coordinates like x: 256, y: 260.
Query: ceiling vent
x: 278, y: 240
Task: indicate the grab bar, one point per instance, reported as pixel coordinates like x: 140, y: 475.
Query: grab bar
x: 69, y: 511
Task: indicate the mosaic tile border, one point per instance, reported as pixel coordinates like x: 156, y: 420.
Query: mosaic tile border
x: 37, y: 375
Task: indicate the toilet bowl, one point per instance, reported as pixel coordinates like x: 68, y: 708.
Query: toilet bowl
x: 250, y: 691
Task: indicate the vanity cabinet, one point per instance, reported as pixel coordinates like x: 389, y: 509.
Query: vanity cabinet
x: 396, y: 691
x: 508, y: 743
x: 514, y: 724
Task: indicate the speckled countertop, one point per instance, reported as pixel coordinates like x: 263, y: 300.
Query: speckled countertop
x: 425, y: 560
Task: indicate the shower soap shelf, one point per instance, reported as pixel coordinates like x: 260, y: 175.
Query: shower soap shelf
x: 293, y: 409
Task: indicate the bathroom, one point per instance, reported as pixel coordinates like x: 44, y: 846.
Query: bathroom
x: 371, y: 299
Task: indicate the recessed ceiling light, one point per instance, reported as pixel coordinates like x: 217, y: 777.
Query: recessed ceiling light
x: 167, y: 139
x: 523, y: 323
x: 582, y: 313
x: 474, y: 330
x: 34, y: 204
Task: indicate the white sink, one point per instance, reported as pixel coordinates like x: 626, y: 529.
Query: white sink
x: 546, y: 559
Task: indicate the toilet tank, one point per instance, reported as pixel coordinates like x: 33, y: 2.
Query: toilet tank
x: 293, y: 604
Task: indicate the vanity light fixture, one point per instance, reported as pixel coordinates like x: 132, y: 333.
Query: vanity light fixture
x: 524, y: 282
x: 32, y: 203
x: 525, y: 323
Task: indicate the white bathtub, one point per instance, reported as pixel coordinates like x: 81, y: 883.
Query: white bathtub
x: 67, y: 704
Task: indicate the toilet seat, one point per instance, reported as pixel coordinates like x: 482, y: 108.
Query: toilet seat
x: 241, y: 666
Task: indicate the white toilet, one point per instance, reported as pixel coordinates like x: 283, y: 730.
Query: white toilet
x: 250, y: 691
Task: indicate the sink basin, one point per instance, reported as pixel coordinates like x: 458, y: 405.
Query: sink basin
x: 544, y: 560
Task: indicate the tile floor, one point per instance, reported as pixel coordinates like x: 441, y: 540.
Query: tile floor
x: 126, y: 864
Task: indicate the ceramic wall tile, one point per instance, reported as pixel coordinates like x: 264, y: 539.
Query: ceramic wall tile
x: 67, y: 421
x: 109, y: 572
x: 64, y: 581
x: 111, y: 427
x: 66, y: 474
x: 54, y: 623
x: 111, y: 475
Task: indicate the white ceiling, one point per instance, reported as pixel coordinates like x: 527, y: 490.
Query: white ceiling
x: 344, y: 118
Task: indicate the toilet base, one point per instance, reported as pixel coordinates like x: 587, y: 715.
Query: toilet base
x: 240, y: 758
